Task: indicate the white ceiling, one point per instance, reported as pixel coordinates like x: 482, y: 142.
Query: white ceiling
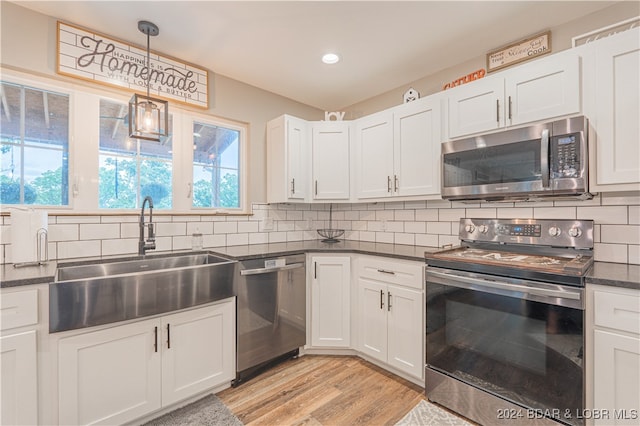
x: 277, y: 45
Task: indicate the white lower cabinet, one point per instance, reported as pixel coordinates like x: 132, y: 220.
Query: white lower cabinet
x: 18, y: 357
x: 615, y: 347
x: 391, y: 313
x: 330, y: 301
x: 118, y: 374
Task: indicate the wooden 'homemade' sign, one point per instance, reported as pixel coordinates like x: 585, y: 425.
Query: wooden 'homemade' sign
x: 520, y: 51
x: 91, y: 56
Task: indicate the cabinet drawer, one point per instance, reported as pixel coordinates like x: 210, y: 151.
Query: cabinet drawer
x: 410, y: 274
x: 617, y: 310
x: 18, y: 309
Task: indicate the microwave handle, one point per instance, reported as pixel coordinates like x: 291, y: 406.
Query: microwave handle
x: 544, y: 158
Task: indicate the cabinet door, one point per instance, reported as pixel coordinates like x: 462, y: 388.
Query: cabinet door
x: 617, y: 109
x: 109, y: 376
x: 543, y: 89
x: 198, y: 348
x: 372, y: 319
x: 296, y: 158
x: 330, y: 299
x: 374, y: 155
x: 616, y: 377
x: 406, y: 330
x: 416, y: 155
x: 330, y: 152
x: 476, y: 107
x: 19, y: 392
x: 287, y: 163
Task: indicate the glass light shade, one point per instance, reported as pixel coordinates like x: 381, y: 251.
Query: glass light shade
x: 148, y: 118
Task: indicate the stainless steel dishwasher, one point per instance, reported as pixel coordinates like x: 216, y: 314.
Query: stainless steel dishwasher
x: 271, y: 326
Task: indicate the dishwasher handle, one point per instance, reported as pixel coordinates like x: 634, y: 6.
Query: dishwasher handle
x: 259, y: 271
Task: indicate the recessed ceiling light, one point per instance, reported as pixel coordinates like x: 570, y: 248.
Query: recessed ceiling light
x: 330, y: 58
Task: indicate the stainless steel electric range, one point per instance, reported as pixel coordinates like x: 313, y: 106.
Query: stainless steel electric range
x: 505, y: 321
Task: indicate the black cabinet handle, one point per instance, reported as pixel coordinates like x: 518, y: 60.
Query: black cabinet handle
x: 315, y: 270
x: 498, y: 110
x: 155, y: 339
x: 168, y: 336
x: 381, y: 299
x: 389, y: 301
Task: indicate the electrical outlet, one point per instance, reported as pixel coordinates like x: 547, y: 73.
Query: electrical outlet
x: 267, y: 224
x: 309, y: 224
x: 383, y: 226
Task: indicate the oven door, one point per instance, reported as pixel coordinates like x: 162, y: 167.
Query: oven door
x: 519, y: 340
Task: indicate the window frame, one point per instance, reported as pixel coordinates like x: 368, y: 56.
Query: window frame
x: 84, y: 150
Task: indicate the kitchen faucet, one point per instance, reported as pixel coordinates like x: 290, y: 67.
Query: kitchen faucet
x: 150, y: 243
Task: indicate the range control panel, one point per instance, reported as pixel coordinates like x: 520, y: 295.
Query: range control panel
x: 549, y: 232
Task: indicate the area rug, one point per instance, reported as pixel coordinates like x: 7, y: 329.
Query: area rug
x: 208, y: 411
x: 428, y: 414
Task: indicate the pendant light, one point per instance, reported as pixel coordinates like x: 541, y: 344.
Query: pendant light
x: 148, y: 117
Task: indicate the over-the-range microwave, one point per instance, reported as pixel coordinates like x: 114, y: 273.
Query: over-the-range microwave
x: 535, y: 162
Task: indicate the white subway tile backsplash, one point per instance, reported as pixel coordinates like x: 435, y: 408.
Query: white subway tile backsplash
x: 237, y: 239
x: 258, y: 238
x: 119, y: 246
x: 404, y: 215
x: 66, y: 232
x: 620, y: 234
x: 169, y: 229
x: 634, y: 254
x: 426, y: 223
x: 245, y: 227
x: 201, y: 227
x: 450, y: 215
x: 225, y: 227
x: 400, y: 238
x: 603, y: 214
x: 554, y: 213
x: 514, y: 213
x: 72, y: 249
x: 620, y: 198
x: 430, y: 215
x: 429, y: 240
x: 439, y: 228
x: 214, y: 240
x: 99, y: 231
x: 415, y: 227
x: 634, y: 215
x: 610, y: 253
x: 482, y: 213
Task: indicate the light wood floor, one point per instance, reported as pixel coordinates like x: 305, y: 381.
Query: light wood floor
x: 323, y: 390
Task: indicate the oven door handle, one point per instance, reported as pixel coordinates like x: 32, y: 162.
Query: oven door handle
x: 565, y: 297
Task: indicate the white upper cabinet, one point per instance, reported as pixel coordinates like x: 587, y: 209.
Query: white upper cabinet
x: 398, y: 151
x: 416, y: 156
x: 330, y: 142
x: 543, y: 89
x: 613, y: 109
x: 476, y: 107
x: 538, y: 90
x: 374, y: 155
x: 287, y: 159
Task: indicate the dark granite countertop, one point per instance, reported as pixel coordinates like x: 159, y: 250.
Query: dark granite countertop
x: 615, y: 274
x: 602, y: 273
x: 12, y: 277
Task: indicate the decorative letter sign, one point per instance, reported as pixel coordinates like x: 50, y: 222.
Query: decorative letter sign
x: 521, y: 51
x: 90, y: 56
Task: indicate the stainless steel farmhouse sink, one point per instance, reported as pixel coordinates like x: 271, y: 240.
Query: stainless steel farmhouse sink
x: 86, y: 295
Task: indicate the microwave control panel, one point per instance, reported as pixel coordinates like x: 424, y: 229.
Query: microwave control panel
x: 565, y: 156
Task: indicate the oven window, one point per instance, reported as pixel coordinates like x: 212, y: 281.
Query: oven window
x: 514, y: 162
x: 530, y: 353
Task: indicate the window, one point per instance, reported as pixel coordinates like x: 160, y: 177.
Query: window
x: 216, y: 166
x: 34, y: 146
x: 130, y: 169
